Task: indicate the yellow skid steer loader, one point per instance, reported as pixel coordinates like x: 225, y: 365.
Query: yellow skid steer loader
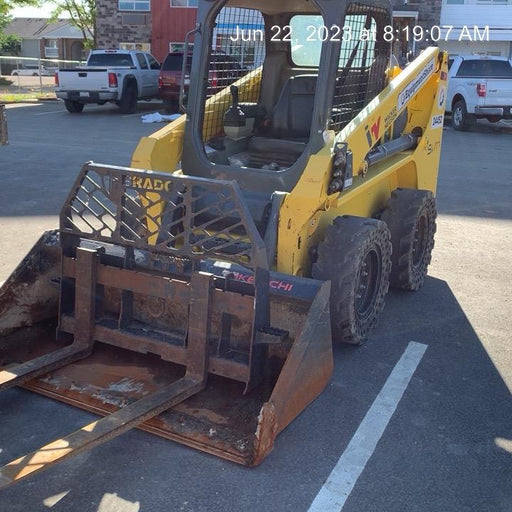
x: 196, y: 294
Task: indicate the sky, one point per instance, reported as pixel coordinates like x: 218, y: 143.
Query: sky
x: 33, y: 12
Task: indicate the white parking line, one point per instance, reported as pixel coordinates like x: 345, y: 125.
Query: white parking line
x: 341, y: 481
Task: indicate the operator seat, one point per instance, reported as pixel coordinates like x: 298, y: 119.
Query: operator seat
x: 287, y: 131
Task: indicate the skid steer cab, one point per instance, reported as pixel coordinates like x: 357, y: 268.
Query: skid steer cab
x: 197, y: 294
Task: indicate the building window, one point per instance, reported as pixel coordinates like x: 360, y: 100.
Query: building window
x: 183, y: 3
x: 51, y: 50
x: 139, y: 5
x: 179, y: 47
x: 454, y: 1
x: 142, y: 47
x: 498, y: 2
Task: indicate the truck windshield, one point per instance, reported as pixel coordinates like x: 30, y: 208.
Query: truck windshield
x: 110, y: 59
x: 486, y: 69
x: 174, y: 62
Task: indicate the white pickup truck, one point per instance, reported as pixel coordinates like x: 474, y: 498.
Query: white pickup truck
x: 479, y: 88
x: 118, y: 76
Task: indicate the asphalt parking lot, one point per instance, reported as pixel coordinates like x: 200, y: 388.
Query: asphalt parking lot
x: 448, y: 444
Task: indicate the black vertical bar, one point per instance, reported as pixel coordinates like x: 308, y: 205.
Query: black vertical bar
x: 126, y: 313
x: 199, y: 320
x: 258, y: 352
x: 4, y: 137
x: 85, y: 295
x: 67, y: 286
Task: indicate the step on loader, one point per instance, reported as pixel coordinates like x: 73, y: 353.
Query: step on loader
x: 197, y: 294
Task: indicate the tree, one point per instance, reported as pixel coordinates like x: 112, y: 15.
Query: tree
x: 10, y: 44
x: 82, y: 14
x: 7, y: 5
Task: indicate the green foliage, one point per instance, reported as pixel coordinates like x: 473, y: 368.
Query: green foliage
x: 7, y: 5
x: 4, y: 20
x: 9, y: 44
x: 82, y: 14
x: 5, y: 8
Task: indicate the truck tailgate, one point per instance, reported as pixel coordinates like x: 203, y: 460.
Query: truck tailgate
x: 499, y: 92
x: 87, y: 79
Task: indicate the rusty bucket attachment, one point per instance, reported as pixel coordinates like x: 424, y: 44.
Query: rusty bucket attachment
x: 172, y: 323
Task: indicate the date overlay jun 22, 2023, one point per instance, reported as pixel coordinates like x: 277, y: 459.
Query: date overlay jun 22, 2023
x: 319, y: 33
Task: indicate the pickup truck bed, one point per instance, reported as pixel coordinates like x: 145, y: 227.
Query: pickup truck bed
x: 479, y: 87
x: 118, y: 76
x: 88, y: 84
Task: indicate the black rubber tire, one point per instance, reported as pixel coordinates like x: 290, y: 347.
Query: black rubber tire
x: 411, y: 218
x: 128, y: 101
x: 350, y: 245
x: 73, y: 107
x: 461, y: 120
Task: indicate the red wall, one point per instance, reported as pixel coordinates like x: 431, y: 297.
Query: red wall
x: 169, y: 24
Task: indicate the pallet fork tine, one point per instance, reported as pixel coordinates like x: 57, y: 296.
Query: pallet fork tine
x: 83, y: 343
x: 134, y: 414
x: 99, y: 431
x: 21, y: 373
x: 149, y: 322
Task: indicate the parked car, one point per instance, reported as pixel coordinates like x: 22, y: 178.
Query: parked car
x: 169, y: 80
x: 31, y: 71
x: 224, y: 69
x: 479, y: 88
x: 119, y: 76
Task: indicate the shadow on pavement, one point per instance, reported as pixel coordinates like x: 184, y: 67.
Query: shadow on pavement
x: 439, y: 451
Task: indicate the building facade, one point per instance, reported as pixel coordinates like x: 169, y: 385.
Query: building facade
x: 161, y: 25
x: 123, y: 24
x: 42, y: 39
x: 408, y: 14
x: 465, y: 15
x: 172, y: 19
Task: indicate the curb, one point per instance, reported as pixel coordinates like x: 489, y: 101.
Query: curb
x: 33, y: 100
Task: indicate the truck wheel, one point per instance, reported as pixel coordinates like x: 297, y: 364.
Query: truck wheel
x: 128, y: 101
x: 461, y: 120
x: 74, y: 107
x: 356, y: 256
x: 411, y: 218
